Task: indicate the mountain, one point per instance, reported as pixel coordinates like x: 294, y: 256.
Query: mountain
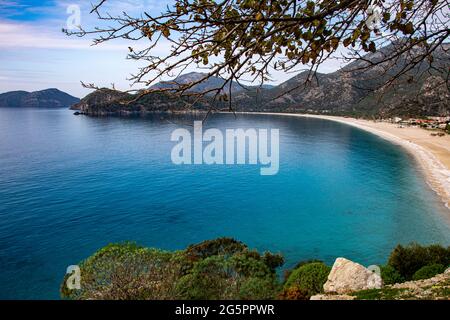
x: 348, y: 91
x: 50, y: 98
x: 209, y: 84
x: 351, y: 91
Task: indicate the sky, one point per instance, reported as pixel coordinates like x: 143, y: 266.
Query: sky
x: 36, y: 55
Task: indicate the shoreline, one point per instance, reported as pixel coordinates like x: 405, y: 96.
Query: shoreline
x: 431, y: 153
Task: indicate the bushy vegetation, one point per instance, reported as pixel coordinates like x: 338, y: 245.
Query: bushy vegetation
x: 127, y: 272
x: 293, y: 293
x: 218, y: 269
x: 227, y: 269
x: 308, y: 278
x: 390, y: 275
x: 429, y: 271
x: 407, y: 260
x: 240, y: 276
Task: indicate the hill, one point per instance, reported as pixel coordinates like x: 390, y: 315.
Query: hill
x: 349, y: 91
x: 50, y: 98
x: 209, y: 84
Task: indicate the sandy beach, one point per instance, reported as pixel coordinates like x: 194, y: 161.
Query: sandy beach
x: 431, y: 153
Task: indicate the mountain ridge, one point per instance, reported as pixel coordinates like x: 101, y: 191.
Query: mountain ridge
x: 347, y: 91
x: 47, y: 98
x: 209, y: 84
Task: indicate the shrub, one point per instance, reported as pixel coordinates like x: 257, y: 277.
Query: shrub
x: 428, y: 272
x: 273, y: 261
x: 309, y: 278
x: 293, y: 293
x: 407, y: 260
x: 207, y: 280
x: 209, y: 248
x: 390, y: 275
x: 257, y: 288
x: 225, y: 278
x: 287, y: 273
x: 126, y: 272
x: 218, y: 269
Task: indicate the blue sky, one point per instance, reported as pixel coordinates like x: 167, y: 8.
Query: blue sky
x: 35, y: 54
x: 24, y: 10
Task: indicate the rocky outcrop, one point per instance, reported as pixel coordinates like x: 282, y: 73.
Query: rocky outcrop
x: 435, y: 288
x: 101, y: 98
x: 347, y: 276
x: 111, y: 102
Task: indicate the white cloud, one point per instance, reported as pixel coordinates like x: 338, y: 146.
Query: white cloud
x: 28, y: 35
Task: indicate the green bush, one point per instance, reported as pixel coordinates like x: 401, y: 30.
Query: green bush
x: 126, y: 272
x: 407, y: 260
x: 390, y: 275
x: 309, y: 278
x: 428, y: 272
x: 273, y: 261
x: 209, y: 248
x: 240, y: 276
x: 217, y: 269
x: 287, y: 273
x: 207, y: 280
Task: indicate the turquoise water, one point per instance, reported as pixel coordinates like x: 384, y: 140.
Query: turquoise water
x: 70, y: 185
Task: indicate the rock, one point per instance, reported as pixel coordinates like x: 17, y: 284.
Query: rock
x: 420, y: 284
x: 332, y: 297
x: 347, y: 276
x: 435, y: 288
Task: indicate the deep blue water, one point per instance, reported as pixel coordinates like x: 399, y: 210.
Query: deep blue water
x: 70, y: 185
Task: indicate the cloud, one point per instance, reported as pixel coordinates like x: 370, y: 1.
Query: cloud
x: 26, y: 35
x: 36, y: 54
x: 14, y: 35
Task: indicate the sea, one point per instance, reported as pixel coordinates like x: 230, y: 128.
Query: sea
x: 70, y: 185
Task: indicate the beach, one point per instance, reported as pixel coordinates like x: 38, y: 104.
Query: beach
x: 432, y: 153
